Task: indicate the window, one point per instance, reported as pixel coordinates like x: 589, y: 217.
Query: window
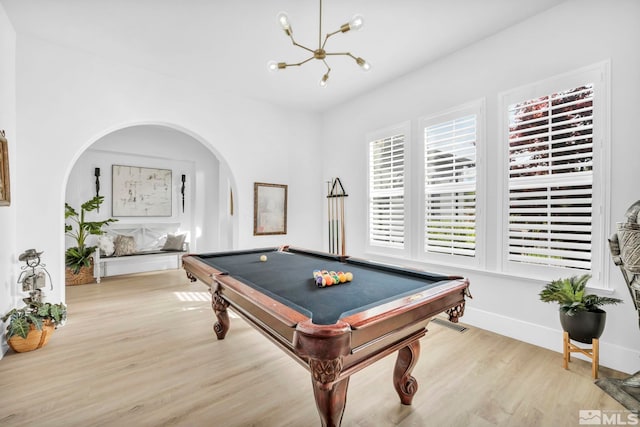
x: 554, y: 158
x: 547, y: 214
x: 551, y: 178
x: 387, y: 190
x: 450, y: 185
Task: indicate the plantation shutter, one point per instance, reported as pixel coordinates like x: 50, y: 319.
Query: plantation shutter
x: 551, y: 179
x: 386, y: 192
x: 450, y: 187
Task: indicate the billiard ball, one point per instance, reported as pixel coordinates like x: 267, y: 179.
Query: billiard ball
x: 348, y: 276
x: 263, y: 258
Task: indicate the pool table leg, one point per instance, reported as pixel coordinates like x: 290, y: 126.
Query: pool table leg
x: 324, y: 348
x: 406, y: 385
x: 219, y: 305
x: 330, y: 401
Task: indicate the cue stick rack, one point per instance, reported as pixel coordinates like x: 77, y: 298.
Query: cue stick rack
x: 335, y: 214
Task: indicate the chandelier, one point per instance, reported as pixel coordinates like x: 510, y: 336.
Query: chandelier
x: 320, y: 53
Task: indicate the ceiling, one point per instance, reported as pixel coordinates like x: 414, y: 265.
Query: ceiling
x: 225, y: 45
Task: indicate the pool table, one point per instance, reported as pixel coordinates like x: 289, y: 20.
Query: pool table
x: 333, y: 331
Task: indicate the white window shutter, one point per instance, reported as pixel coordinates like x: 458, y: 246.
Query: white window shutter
x: 386, y: 192
x: 551, y: 179
x: 450, y: 187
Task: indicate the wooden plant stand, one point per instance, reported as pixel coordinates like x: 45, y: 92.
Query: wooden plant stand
x: 592, y: 353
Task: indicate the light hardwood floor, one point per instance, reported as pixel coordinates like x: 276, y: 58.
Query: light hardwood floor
x: 139, y: 350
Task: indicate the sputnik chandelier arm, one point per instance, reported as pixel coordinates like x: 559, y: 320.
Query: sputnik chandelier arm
x: 320, y: 53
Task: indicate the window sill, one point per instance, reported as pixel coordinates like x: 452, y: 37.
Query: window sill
x: 467, y: 271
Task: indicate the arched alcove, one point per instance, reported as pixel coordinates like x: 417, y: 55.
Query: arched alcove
x: 203, y: 210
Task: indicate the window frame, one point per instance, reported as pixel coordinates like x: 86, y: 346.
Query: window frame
x: 477, y: 108
x: 403, y: 128
x: 599, y: 75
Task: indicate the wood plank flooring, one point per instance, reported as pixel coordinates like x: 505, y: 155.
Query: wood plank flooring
x: 139, y: 350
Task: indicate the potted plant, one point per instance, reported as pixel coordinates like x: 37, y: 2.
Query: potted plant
x: 580, y: 313
x: 31, y: 326
x: 78, y: 258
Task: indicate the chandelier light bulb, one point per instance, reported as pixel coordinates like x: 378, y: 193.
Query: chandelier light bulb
x: 274, y: 65
x: 283, y: 19
x: 324, y: 81
x: 363, y: 64
x: 356, y: 22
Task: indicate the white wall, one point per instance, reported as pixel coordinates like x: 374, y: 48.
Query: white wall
x: 8, y: 251
x: 570, y: 36
x: 68, y: 100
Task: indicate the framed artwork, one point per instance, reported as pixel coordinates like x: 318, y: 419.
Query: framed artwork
x: 5, y: 188
x: 269, y: 209
x: 139, y: 191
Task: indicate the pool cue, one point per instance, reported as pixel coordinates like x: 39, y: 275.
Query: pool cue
x: 336, y: 236
x: 336, y: 217
x: 333, y: 219
x: 339, y: 237
x: 342, y: 232
x: 330, y: 208
x: 329, y: 213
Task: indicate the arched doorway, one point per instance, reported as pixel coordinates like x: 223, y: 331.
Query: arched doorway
x: 201, y: 184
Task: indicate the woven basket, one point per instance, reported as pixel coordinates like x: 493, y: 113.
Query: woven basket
x: 35, y: 338
x: 84, y: 276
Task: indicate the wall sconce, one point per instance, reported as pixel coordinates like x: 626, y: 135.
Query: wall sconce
x: 184, y: 178
x: 97, y: 174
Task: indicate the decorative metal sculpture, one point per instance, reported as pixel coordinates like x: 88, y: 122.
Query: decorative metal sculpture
x: 625, y: 251
x: 33, y: 275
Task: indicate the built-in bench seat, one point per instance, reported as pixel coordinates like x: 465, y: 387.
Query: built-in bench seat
x: 143, y: 242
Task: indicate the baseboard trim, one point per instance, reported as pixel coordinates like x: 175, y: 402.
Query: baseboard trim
x: 611, y: 355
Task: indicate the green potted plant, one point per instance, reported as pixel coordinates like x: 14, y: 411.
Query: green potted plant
x: 580, y: 313
x: 31, y: 326
x: 78, y: 258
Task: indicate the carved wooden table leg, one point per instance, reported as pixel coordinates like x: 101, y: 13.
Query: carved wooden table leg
x: 220, y: 309
x: 405, y: 384
x: 331, y: 397
x: 325, y: 346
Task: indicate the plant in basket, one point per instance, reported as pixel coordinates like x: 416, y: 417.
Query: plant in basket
x: 80, y: 255
x: 31, y: 326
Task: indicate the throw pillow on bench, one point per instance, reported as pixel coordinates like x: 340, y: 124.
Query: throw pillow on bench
x: 175, y: 242
x: 123, y: 245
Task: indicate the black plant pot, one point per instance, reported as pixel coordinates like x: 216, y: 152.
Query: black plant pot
x: 584, y: 326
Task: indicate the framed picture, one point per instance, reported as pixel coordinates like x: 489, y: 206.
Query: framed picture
x: 139, y: 191
x: 269, y: 209
x: 5, y: 188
